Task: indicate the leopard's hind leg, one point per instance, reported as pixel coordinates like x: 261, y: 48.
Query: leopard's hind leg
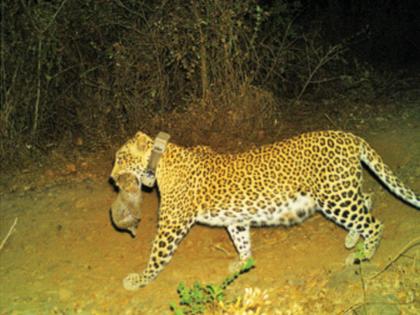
x: 354, y: 215
x: 353, y: 236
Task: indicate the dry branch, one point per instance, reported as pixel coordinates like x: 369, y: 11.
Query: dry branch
x: 411, y: 244
x: 8, y: 234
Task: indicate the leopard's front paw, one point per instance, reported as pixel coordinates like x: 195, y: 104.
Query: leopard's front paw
x: 133, y: 282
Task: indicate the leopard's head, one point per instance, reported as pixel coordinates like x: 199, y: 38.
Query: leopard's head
x: 130, y: 163
x: 133, y: 157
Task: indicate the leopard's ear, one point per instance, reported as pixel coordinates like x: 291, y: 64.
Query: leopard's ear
x: 143, y: 141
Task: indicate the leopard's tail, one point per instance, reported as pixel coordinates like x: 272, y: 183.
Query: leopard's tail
x: 375, y: 163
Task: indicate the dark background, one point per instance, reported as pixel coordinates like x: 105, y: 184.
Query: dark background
x: 91, y: 73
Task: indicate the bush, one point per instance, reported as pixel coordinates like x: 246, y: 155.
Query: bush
x: 101, y: 70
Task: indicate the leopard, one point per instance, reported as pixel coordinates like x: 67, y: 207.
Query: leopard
x: 277, y: 184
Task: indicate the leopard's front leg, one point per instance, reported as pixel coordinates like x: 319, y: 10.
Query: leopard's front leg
x: 242, y: 240
x: 169, y: 235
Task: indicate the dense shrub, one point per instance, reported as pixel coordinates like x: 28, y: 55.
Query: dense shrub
x: 100, y: 69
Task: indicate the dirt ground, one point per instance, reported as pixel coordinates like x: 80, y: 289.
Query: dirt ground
x: 64, y: 256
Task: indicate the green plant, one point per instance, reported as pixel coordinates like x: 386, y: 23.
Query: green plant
x: 197, y: 299
x: 360, y: 252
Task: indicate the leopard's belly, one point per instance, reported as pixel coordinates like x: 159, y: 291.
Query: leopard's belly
x: 293, y: 211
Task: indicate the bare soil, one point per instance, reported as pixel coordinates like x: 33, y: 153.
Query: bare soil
x: 64, y: 256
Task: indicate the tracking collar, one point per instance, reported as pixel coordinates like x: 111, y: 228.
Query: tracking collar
x: 159, y: 146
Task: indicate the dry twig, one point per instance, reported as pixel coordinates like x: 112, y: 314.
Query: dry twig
x: 411, y: 244
x: 8, y: 234
x: 331, y: 121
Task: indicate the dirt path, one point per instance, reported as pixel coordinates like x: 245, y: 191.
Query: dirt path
x: 64, y: 257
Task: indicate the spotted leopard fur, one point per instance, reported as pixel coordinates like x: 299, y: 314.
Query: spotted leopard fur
x: 276, y: 184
